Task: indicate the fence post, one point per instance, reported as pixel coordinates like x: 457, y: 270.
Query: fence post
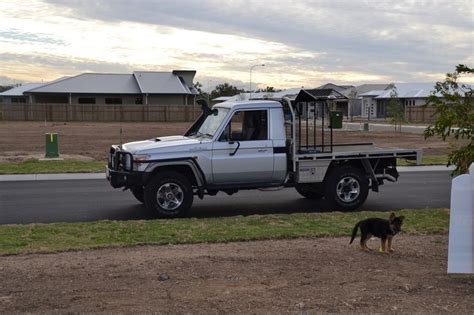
x: 186, y: 113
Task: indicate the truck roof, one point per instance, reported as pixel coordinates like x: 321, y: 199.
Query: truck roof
x: 249, y: 104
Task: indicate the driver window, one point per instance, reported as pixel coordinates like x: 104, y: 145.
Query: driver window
x: 251, y: 125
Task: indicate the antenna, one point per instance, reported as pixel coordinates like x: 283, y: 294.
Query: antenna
x: 121, y: 133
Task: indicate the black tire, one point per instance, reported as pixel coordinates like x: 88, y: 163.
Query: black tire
x: 139, y: 193
x: 310, y: 191
x: 166, y: 183
x: 346, y: 188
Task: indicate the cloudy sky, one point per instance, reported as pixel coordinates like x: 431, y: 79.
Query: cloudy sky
x: 301, y: 42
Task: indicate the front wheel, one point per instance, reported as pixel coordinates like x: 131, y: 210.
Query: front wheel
x: 169, y: 195
x: 347, y: 188
x: 139, y: 193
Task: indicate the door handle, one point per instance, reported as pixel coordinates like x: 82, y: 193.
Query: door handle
x: 235, y: 151
x: 262, y: 150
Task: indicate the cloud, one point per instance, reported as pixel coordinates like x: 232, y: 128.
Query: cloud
x: 302, y: 42
x: 16, y: 35
x: 428, y: 36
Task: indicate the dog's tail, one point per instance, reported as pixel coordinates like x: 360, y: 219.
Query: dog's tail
x: 354, y: 232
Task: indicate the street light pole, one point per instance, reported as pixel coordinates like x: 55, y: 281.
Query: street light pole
x: 250, y: 85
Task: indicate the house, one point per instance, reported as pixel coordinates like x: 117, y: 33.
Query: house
x: 15, y: 95
x: 375, y: 102
x: 140, y: 87
x: 355, y: 101
x: 315, y: 103
x: 338, y: 88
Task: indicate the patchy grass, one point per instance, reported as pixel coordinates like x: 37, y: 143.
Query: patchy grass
x: 426, y: 160
x: 15, y: 239
x: 34, y: 166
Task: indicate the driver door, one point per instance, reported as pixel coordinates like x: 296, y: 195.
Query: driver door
x: 243, y: 154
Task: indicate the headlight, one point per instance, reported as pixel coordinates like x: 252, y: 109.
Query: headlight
x: 141, y: 158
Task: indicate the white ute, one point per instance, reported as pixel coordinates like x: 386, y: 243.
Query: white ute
x: 252, y: 145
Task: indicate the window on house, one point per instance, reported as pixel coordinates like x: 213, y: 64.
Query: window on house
x: 139, y: 100
x: 18, y: 100
x: 113, y: 100
x: 86, y: 100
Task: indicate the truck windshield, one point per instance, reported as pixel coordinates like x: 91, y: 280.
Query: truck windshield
x: 212, y: 122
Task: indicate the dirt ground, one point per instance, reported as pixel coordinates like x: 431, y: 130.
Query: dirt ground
x: 296, y: 276
x: 22, y: 140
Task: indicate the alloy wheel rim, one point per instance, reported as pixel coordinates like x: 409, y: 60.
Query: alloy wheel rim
x: 348, y: 189
x: 170, y: 196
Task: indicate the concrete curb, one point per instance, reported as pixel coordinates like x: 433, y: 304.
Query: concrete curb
x: 82, y: 176
x: 36, y: 177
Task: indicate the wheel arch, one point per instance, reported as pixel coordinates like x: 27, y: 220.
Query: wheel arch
x: 187, y: 167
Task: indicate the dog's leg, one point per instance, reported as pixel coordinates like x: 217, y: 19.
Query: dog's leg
x: 365, y: 243
x: 362, y: 244
x: 384, y: 246
x: 390, y: 249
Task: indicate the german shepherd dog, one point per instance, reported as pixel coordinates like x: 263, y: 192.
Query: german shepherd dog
x: 381, y: 228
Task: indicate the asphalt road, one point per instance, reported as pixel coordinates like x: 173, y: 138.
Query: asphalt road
x: 89, y: 200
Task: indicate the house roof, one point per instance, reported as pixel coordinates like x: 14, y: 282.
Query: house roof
x: 410, y: 90
x: 18, y: 90
x: 364, y: 88
x: 161, y: 83
x: 374, y: 93
x: 92, y: 83
x: 140, y: 82
x: 318, y: 94
x: 336, y: 87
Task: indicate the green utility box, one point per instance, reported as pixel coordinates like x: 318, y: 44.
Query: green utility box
x: 366, y: 126
x: 336, y: 120
x: 51, y: 145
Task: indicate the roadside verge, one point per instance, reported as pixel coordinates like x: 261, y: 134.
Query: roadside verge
x: 44, y: 238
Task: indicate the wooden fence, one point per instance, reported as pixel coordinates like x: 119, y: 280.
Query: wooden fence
x: 420, y: 114
x: 89, y: 112
x: 137, y: 113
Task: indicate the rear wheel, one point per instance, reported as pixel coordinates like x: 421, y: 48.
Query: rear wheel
x: 310, y: 191
x: 346, y: 188
x: 169, y: 195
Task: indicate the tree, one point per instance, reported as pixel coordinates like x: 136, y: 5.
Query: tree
x: 454, y: 111
x: 201, y: 93
x: 225, y: 89
x: 395, y: 108
x: 5, y: 87
x: 268, y: 89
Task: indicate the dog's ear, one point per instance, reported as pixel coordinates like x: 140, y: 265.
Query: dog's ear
x: 401, y: 218
x: 392, y: 216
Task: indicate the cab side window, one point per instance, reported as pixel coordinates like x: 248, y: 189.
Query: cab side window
x: 250, y: 125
